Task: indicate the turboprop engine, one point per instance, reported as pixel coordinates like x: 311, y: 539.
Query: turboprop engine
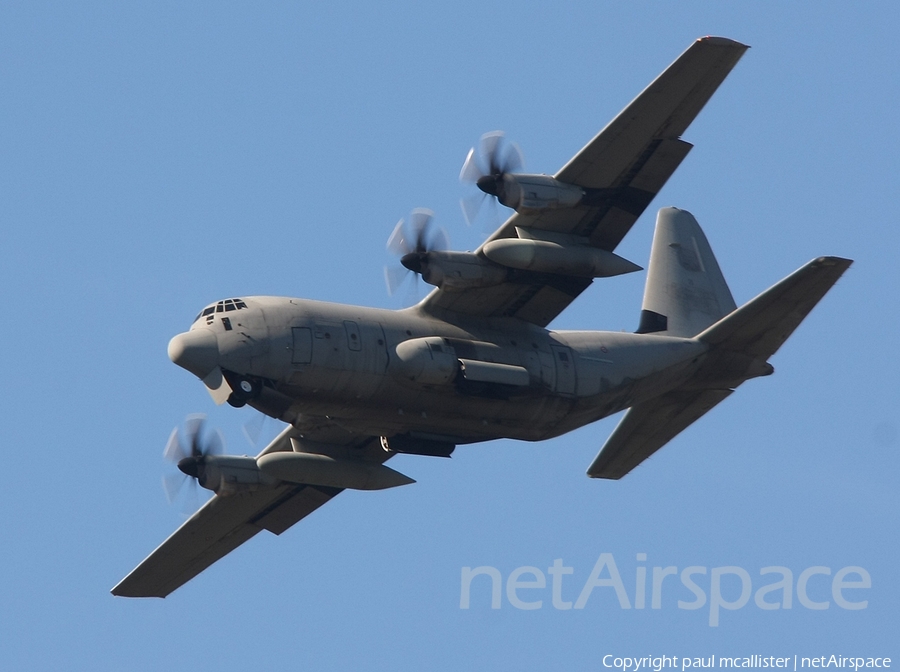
x: 226, y: 474
x: 423, y: 250
x: 454, y: 271
x: 531, y: 193
x: 197, y: 454
x: 493, y: 166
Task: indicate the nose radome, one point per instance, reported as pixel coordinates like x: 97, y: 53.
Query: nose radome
x: 197, y: 351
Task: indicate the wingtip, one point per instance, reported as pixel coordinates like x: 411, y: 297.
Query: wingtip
x: 121, y: 589
x: 600, y: 475
x: 124, y: 594
x: 833, y: 260
x: 841, y: 263
x: 722, y: 41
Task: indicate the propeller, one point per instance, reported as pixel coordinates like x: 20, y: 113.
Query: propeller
x: 413, y: 243
x: 188, y: 450
x: 254, y: 429
x: 486, y: 167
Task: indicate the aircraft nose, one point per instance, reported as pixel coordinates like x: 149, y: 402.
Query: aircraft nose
x: 197, y: 351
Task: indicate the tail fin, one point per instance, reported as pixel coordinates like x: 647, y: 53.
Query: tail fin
x: 685, y: 291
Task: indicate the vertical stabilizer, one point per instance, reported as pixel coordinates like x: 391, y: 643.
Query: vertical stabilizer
x: 685, y: 290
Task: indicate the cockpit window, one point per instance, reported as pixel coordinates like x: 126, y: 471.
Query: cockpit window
x: 227, y: 305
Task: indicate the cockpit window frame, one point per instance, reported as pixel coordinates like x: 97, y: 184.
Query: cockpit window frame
x: 226, y: 305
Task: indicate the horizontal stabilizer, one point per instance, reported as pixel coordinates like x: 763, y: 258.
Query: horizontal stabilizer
x: 762, y: 325
x: 647, y: 427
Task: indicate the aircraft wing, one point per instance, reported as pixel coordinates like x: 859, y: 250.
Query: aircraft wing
x: 629, y: 161
x: 647, y: 427
x: 220, y: 526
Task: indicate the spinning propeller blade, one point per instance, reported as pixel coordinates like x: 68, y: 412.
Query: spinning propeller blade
x: 413, y: 242
x: 485, y: 167
x: 188, y: 450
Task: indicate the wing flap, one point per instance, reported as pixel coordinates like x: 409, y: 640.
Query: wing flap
x: 634, y: 195
x: 647, y: 427
x: 294, y: 508
x: 535, y: 298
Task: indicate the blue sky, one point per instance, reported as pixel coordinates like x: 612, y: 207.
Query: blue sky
x: 157, y: 157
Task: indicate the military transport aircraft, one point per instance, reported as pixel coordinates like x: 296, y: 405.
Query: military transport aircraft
x: 474, y: 361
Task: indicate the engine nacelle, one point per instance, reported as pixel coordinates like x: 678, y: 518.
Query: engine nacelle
x: 429, y: 361
x: 456, y: 271
x: 228, y: 474
x: 533, y: 193
x: 548, y: 257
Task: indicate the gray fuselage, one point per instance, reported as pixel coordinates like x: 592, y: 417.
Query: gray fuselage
x: 383, y: 372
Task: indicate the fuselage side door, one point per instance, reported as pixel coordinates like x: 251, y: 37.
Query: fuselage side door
x: 565, y: 369
x: 302, y: 346
x: 374, y: 348
x: 354, y: 342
